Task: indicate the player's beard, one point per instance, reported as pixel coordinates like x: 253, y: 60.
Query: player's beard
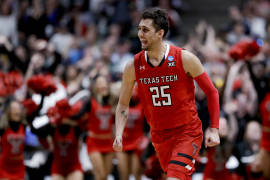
x: 146, y: 47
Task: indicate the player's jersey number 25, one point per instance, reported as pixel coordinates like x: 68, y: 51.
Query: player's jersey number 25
x: 160, y: 96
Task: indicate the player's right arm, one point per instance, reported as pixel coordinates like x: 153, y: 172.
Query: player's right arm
x: 128, y: 82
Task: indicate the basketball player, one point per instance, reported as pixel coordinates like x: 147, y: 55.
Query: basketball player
x: 165, y: 74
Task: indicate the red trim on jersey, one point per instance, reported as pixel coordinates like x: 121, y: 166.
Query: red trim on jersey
x: 212, y: 96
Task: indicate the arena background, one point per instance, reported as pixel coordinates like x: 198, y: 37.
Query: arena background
x: 74, y: 40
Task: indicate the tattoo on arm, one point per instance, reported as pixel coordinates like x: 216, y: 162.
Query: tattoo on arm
x: 124, y: 114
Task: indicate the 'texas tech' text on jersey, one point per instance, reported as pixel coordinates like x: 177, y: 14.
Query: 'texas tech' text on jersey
x: 166, y: 91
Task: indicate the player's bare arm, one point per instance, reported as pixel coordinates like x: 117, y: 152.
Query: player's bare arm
x: 194, y: 68
x: 191, y: 63
x: 128, y: 82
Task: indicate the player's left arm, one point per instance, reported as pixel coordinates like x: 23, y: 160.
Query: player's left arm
x: 194, y: 68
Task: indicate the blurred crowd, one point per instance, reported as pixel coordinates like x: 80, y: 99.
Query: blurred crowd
x: 61, y: 63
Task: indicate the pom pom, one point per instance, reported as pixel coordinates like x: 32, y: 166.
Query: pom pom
x: 83, y: 121
x: 30, y: 106
x: 54, y: 115
x: 244, y: 50
x: 10, y: 82
x: 42, y: 84
x: 63, y: 109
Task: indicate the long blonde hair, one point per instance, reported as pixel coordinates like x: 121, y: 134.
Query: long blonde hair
x: 4, y: 120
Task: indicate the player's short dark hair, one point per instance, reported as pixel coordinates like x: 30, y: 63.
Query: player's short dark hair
x: 159, y: 17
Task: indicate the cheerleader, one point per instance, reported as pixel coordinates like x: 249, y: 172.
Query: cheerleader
x: 99, y: 141
x: 12, y: 136
x: 62, y: 135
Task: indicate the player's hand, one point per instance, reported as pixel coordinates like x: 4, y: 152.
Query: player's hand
x: 211, y: 137
x: 117, y: 144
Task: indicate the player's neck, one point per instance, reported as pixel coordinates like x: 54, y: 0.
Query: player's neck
x: 157, y: 52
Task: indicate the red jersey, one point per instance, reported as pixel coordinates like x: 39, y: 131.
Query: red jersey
x: 100, y: 118
x: 100, y: 127
x: 265, y: 113
x: 133, y: 132
x: 65, y: 147
x: 66, y: 152
x: 166, y: 91
x: 11, y: 157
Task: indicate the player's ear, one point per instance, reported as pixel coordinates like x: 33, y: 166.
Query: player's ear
x: 161, y: 33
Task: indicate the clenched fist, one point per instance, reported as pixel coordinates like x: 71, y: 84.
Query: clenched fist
x: 117, y: 144
x: 211, y: 137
